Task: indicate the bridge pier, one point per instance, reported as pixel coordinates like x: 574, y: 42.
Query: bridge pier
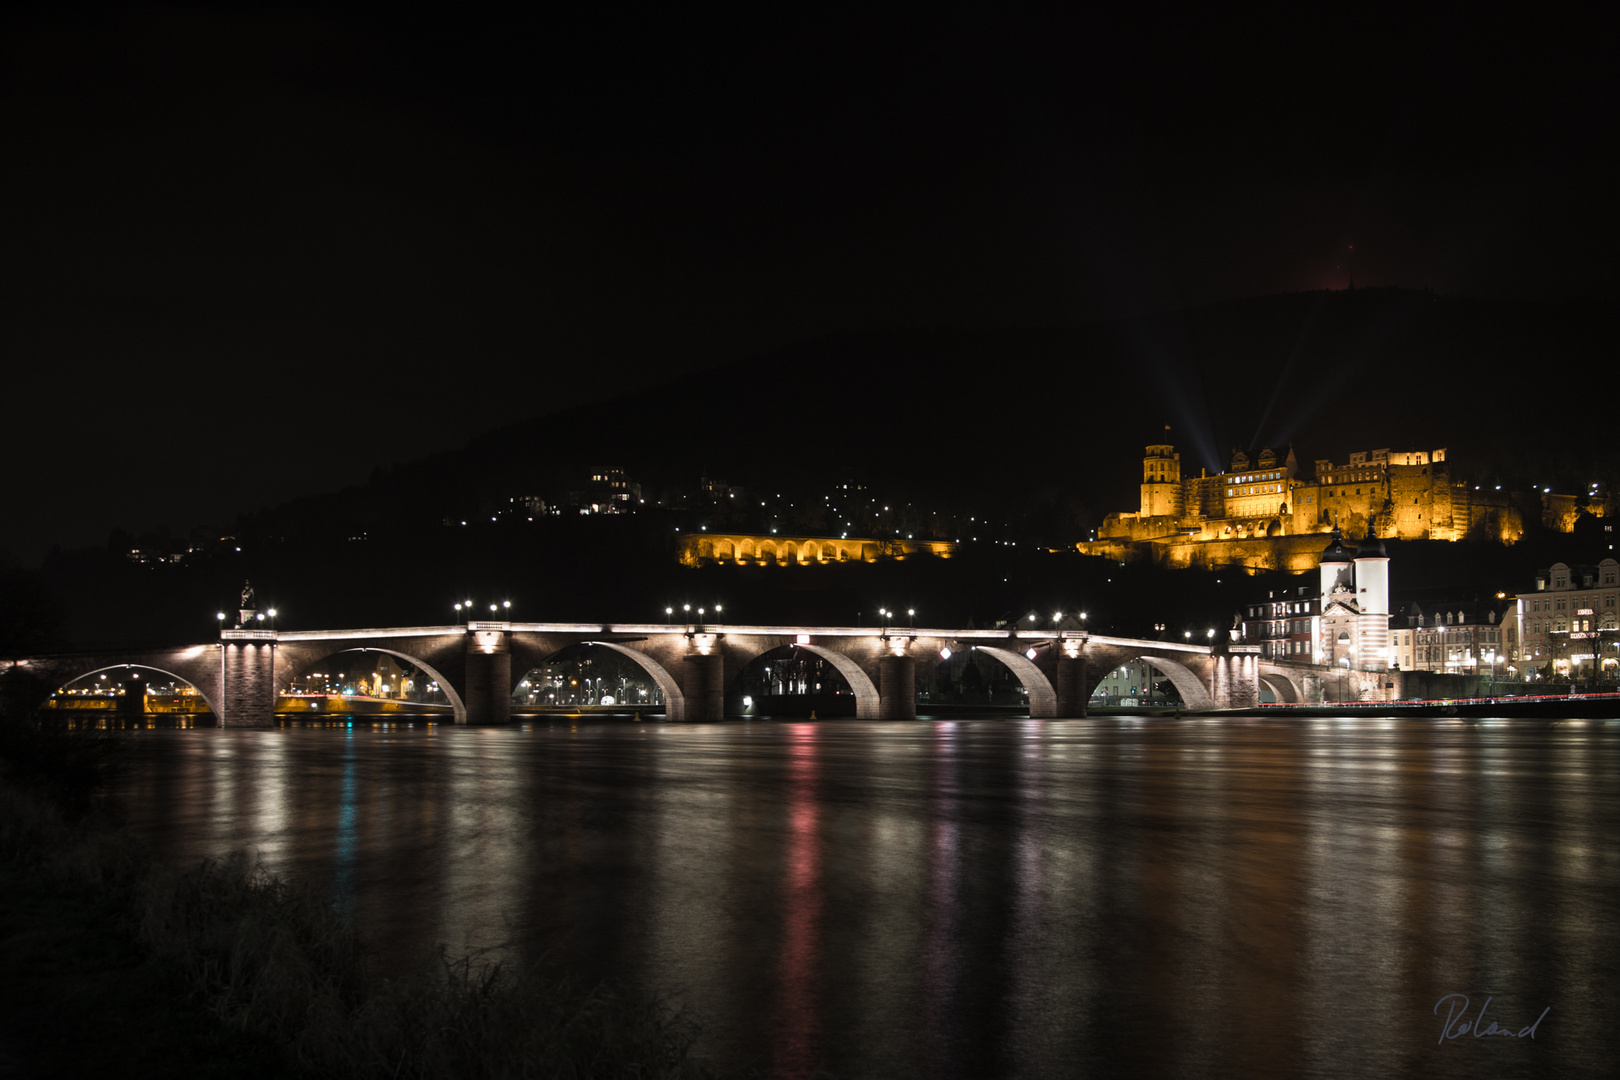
x: 247, y: 677
x: 897, y: 687
x: 704, y: 687
x: 1073, y: 689
x: 489, y: 675
x: 1235, y: 677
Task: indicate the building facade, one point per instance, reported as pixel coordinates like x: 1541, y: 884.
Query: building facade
x: 1567, y: 626
x: 1286, y: 624
x: 1455, y: 638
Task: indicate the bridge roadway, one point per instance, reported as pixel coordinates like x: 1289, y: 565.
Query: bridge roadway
x: 478, y: 664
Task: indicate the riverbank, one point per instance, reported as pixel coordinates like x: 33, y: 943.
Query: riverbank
x: 110, y: 963
x: 79, y: 994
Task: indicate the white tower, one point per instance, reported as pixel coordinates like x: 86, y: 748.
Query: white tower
x: 1372, y: 595
x: 1338, y: 571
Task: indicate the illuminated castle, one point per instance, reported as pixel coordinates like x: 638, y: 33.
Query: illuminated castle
x: 1262, y: 513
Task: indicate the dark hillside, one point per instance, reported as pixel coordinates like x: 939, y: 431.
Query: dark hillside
x: 983, y: 418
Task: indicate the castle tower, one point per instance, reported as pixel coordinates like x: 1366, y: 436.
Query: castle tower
x: 1161, y: 482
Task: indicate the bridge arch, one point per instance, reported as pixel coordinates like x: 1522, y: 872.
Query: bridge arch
x: 674, y: 699
x: 1042, y: 695
x: 210, y: 699
x: 308, y: 658
x: 1282, y: 687
x: 1194, y: 694
x: 868, y: 702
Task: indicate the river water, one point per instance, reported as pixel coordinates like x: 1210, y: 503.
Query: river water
x: 977, y: 898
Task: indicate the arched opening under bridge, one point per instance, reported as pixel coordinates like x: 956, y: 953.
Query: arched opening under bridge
x: 602, y: 676
x: 1149, y: 674
x: 798, y: 680
x: 367, y: 681
x: 124, y: 692
x: 990, y: 676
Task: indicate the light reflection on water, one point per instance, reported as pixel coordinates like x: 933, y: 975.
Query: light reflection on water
x: 975, y: 897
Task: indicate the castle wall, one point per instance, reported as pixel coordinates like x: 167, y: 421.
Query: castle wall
x: 1412, y: 502
x: 1291, y: 554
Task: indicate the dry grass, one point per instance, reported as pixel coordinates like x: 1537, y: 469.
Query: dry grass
x: 275, y: 958
x: 277, y: 962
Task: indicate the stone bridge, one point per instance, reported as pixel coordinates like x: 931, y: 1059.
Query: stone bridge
x: 477, y: 665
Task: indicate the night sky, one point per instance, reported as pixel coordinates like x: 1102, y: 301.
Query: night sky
x: 253, y: 253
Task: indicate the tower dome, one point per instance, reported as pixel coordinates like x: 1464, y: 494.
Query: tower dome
x: 1336, y: 552
x: 1371, y: 548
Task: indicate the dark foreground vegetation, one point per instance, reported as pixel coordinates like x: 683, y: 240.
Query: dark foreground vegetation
x: 109, y: 962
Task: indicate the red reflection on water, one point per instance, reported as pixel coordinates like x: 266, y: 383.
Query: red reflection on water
x: 798, y: 1021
